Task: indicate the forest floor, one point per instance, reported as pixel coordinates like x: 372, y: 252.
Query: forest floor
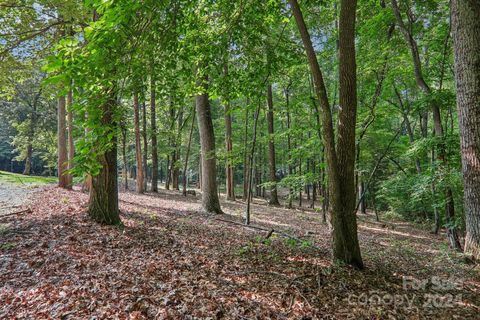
x: 170, y: 261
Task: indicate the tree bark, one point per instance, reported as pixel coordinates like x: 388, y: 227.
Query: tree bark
x: 250, y: 174
x: 185, y: 167
x: 271, y: 150
x: 103, y: 202
x: 289, y: 145
x: 153, y: 125
x: 466, y: 39
x: 176, y: 153
x: 340, y: 167
x: 210, y: 201
x: 138, y: 146
x: 62, y: 164
x: 28, y: 160
x: 230, y: 179
x: 124, y: 155
x: 33, y: 124
x: 145, y: 145
x: 245, y: 157
x: 71, y: 146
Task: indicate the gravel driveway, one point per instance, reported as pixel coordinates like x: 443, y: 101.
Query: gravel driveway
x: 12, y: 195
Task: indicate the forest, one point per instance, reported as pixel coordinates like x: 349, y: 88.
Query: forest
x: 220, y: 159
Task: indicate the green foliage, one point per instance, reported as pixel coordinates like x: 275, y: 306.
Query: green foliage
x: 242, y: 47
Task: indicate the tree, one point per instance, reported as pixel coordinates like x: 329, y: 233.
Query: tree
x: 210, y: 201
x: 466, y: 39
x: 145, y: 145
x: 437, y: 121
x: 62, y: 165
x: 153, y: 125
x: 230, y: 171
x: 70, y: 139
x: 340, y: 160
x: 271, y: 149
x: 103, y: 200
x: 138, y: 145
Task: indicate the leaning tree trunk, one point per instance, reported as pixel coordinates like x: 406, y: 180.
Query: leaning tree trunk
x: 210, y: 201
x: 62, y: 144
x: 103, y: 202
x: 153, y: 124
x: 271, y: 150
x: 340, y: 166
x: 138, y: 146
x: 466, y: 39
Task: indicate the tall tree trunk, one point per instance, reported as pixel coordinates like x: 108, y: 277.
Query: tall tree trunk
x: 172, y: 143
x: 161, y: 171
x: 28, y: 160
x: 361, y: 190
x: 271, y: 149
x: 124, y: 155
x: 33, y: 124
x: 300, y: 196
x: 138, y: 146
x: 314, y: 187
x: 153, y: 125
x: 185, y: 167
x: 176, y: 155
x: 345, y: 227
x: 251, y: 164
x: 245, y: 157
x: 200, y: 169
x: 103, y: 202
x: 466, y: 39
x: 289, y: 144
x: 167, y: 174
x: 230, y: 178
x: 71, y: 146
x: 340, y: 167
x: 229, y: 169
x: 210, y: 201
x: 145, y: 145
x: 62, y: 164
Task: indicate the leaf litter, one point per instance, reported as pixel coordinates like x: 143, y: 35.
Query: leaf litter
x: 171, y: 261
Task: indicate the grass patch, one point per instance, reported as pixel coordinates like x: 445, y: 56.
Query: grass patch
x: 20, y: 179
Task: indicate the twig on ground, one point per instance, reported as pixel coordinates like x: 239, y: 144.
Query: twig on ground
x: 270, y: 231
x: 16, y: 212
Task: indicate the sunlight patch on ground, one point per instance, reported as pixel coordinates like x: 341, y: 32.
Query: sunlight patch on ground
x: 20, y: 179
x: 389, y: 231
